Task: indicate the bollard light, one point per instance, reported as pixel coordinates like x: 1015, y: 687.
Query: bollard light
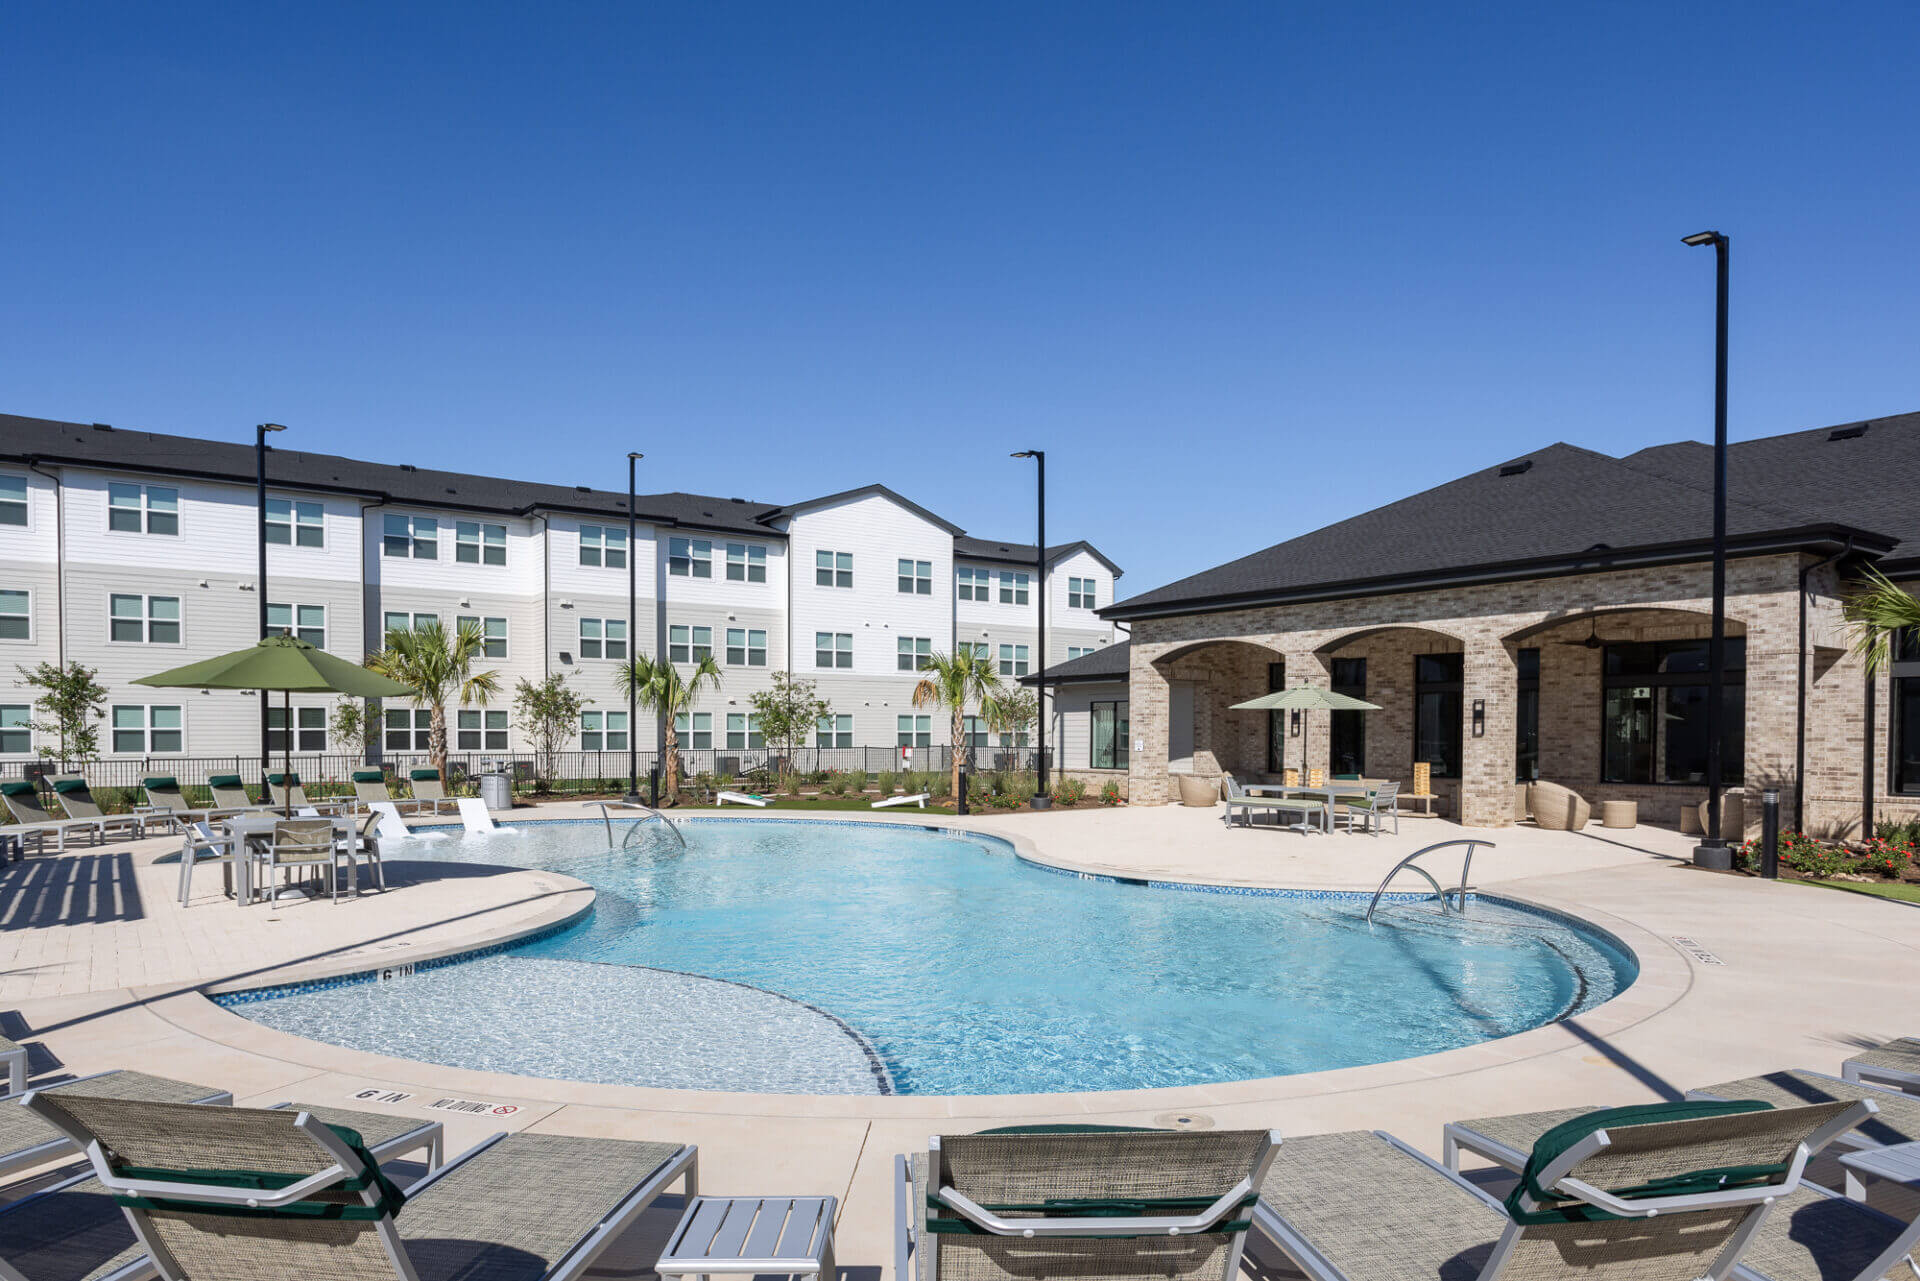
x: 1770, y: 833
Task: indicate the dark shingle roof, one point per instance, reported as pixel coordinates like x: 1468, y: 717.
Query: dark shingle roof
x: 1108, y: 663
x: 1022, y: 553
x: 1563, y: 506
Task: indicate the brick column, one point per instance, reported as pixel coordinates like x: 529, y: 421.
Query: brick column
x: 1147, y: 712
x: 1489, y: 673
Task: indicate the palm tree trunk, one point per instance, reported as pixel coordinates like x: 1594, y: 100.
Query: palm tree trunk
x: 673, y: 763
x: 959, y: 740
x: 437, y: 741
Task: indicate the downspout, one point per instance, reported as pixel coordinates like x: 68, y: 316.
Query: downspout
x: 1868, y: 782
x: 546, y: 597
x: 59, y: 559
x: 375, y: 751
x: 1800, y: 708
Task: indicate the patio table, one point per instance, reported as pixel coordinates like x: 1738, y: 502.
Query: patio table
x: 251, y: 832
x: 1329, y: 795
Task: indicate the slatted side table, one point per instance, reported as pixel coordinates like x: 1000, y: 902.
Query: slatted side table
x: 745, y: 1235
x: 1897, y: 1161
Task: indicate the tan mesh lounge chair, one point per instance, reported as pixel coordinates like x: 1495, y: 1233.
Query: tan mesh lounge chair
x: 370, y: 788
x: 1608, y: 1200
x: 26, y: 1140
x: 13, y: 1057
x: 287, y: 791
x: 76, y: 798
x: 32, y: 819
x: 230, y: 794
x: 429, y: 790
x: 166, y: 801
x: 1895, y: 1064
x: 1077, y: 1201
x: 243, y: 1192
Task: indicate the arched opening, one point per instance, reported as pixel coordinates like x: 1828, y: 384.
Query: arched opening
x: 1416, y: 677
x: 1205, y: 735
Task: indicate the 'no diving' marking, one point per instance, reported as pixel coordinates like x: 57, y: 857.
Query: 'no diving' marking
x: 1692, y: 948
x: 475, y: 1106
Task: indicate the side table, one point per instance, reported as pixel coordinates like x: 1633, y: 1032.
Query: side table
x: 745, y: 1235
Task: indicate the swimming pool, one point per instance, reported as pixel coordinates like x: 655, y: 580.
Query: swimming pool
x: 859, y: 958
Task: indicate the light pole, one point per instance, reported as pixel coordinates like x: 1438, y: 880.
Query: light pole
x: 1041, y: 800
x: 633, y: 631
x: 1712, y: 851
x: 260, y: 498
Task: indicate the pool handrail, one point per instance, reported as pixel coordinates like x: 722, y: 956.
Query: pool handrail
x: 1443, y: 895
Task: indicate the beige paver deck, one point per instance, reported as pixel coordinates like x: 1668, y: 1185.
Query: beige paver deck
x: 102, y: 971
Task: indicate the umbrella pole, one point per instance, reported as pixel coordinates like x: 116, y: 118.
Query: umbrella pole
x: 286, y: 754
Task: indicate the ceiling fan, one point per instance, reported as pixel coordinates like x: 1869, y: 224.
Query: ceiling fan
x: 1591, y: 641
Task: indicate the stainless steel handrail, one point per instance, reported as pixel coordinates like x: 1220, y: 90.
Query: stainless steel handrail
x: 636, y: 805
x: 1441, y: 894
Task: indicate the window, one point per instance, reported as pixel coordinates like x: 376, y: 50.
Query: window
x: 409, y: 731
x: 833, y: 649
x: 1110, y: 734
x: 694, y: 731
x: 1013, y: 660
x: 1019, y: 739
x: 151, y: 620
x: 295, y: 524
x: 689, y: 644
x: 973, y: 733
x: 746, y: 647
x: 1653, y: 713
x: 13, y: 500
x: 481, y: 730
x: 982, y: 652
x: 147, y: 730
x: 743, y: 731
x: 400, y: 620
x: 16, y: 614
x: 914, y: 731
x: 1079, y: 593
x: 1436, y: 712
x: 1078, y: 651
x: 494, y: 630
x: 310, y: 729
x: 134, y: 508
x: 475, y: 543
x: 1013, y: 587
x: 746, y: 563
x: 1348, y: 730
x: 1526, y: 735
x: 833, y: 731
x: 415, y: 536
x: 1903, y: 744
x: 915, y: 652
x: 603, y: 731
x: 16, y: 729
x: 916, y: 577
x: 603, y: 638
x: 603, y: 545
x: 690, y: 558
x: 1277, y: 721
x: 833, y: 569
x: 975, y: 584
x: 303, y: 622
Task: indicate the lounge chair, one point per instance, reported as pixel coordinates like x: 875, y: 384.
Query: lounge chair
x: 13, y: 1057
x: 477, y: 821
x: 428, y: 789
x: 1895, y: 1064
x: 244, y: 1192
x: 1381, y: 804
x: 27, y: 1140
x: 1086, y: 1201
x: 918, y: 799
x: 370, y: 788
x: 166, y: 802
x: 230, y: 794
x: 76, y: 798
x: 1238, y: 798
x: 33, y: 819
x: 288, y: 793
x: 389, y: 826
x: 741, y: 798
x: 1612, y: 1194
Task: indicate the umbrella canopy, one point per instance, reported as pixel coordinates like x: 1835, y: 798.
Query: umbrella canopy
x: 1305, y: 698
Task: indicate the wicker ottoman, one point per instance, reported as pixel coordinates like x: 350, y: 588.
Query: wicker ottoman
x: 1619, y: 813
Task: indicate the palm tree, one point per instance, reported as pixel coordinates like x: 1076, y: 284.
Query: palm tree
x: 438, y: 666
x: 1878, y: 615
x: 954, y: 680
x: 657, y: 685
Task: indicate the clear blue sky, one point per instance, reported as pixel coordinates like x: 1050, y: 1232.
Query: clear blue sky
x: 1242, y: 269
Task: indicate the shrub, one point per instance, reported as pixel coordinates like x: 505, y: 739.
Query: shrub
x: 836, y: 783
x: 856, y: 781
x: 884, y: 781
x: 1070, y: 791
x: 1810, y: 858
x: 1896, y: 831
x: 1021, y: 788
x: 793, y: 784
x: 939, y: 786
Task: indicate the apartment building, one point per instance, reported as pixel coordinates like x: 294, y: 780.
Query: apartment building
x: 134, y: 552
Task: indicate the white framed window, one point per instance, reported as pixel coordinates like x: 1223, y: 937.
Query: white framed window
x: 833, y: 569
x: 973, y: 733
x: 478, y: 543
x: 603, y: 545
x: 975, y: 584
x: 833, y: 731
x: 913, y: 731
x: 303, y: 622
x: 833, y: 649
x: 399, y: 620
x: 494, y: 630
x: 746, y: 647
x: 1078, y: 651
x: 916, y: 577
x: 1013, y: 587
x: 1015, y: 740
x: 690, y: 557
x: 746, y: 563
x: 417, y: 537
x: 603, y: 638
x: 1013, y: 660
x: 982, y: 651
x: 13, y: 499
x: 295, y: 524
x: 1080, y: 593
x: 16, y: 614
x: 408, y: 730
x: 694, y: 730
x: 310, y: 729
x: 688, y: 644
x: 743, y: 732
x: 143, y: 620
x: 914, y: 653
x: 481, y: 729
x: 135, y: 509
x: 603, y: 731
x: 148, y: 729
x: 16, y: 729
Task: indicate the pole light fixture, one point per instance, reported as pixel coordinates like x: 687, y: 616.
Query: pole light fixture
x: 260, y: 533
x: 1041, y: 798
x: 633, y: 634
x: 1712, y: 852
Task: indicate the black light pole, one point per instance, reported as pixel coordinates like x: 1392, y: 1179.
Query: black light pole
x: 1712, y: 852
x: 260, y: 497
x: 633, y: 630
x: 1041, y: 800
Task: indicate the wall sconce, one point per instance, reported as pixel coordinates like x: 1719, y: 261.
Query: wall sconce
x: 1293, y: 723
x: 1479, y: 718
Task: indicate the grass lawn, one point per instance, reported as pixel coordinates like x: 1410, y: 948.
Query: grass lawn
x: 818, y: 803
x: 1904, y: 891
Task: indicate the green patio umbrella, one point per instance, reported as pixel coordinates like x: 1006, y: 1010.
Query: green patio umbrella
x: 1306, y: 698
x: 282, y: 663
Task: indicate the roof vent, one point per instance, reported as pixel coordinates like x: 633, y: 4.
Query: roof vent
x: 408, y: 467
x: 1854, y: 432
x: 452, y: 490
x: 707, y: 514
x: 1515, y: 469
x: 103, y: 426
x: 585, y: 489
x: 736, y: 500
x: 1601, y: 547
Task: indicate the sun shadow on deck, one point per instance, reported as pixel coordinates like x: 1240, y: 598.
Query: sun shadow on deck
x: 69, y: 889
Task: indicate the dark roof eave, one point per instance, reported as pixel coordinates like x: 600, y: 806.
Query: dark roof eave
x: 1096, y: 678
x: 1060, y: 553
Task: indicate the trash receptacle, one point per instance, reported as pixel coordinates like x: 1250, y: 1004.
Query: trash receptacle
x: 496, y: 791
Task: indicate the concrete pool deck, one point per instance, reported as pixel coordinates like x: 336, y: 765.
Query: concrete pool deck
x: 103, y: 969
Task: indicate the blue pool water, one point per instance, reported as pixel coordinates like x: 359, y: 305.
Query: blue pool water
x: 862, y: 959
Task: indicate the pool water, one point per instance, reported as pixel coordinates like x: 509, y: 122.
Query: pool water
x: 862, y: 958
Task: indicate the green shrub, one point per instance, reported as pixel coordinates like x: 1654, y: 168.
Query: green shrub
x: 1896, y: 831
x: 1069, y: 791
x: 856, y: 781
x: 884, y: 781
x: 1810, y: 858
x: 939, y: 786
x: 1021, y: 788
x: 836, y: 784
x: 793, y: 783
x: 1110, y: 793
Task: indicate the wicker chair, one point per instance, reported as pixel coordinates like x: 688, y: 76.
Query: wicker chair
x: 1557, y: 808
x: 1197, y: 792
x: 1733, y: 815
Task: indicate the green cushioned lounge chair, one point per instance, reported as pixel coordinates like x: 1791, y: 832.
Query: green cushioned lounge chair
x: 32, y: 819
x: 76, y: 798
x: 229, y: 793
x: 243, y: 1192
x: 1622, y: 1195
x: 1895, y: 1064
x: 166, y: 801
x: 289, y: 793
x: 1078, y: 1201
x: 27, y: 1140
x: 370, y: 788
x: 428, y: 789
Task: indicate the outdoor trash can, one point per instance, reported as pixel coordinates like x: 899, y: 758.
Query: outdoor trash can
x: 496, y: 791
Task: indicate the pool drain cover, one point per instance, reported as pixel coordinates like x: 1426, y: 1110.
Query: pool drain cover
x: 1183, y: 1121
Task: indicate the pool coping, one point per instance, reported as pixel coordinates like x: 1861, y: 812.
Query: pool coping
x: 1665, y: 978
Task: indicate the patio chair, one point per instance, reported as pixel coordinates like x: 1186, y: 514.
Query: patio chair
x: 13, y: 1056
x: 428, y: 789
x: 1238, y: 798
x: 305, y: 843
x: 76, y: 798
x: 202, y: 843
x: 27, y: 1140
x: 1092, y: 1201
x: 1381, y: 804
x: 288, y: 792
x: 31, y: 818
x: 1895, y: 1064
x: 245, y: 1192
x: 1557, y: 808
x: 366, y: 844
x: 1672, y: 1193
